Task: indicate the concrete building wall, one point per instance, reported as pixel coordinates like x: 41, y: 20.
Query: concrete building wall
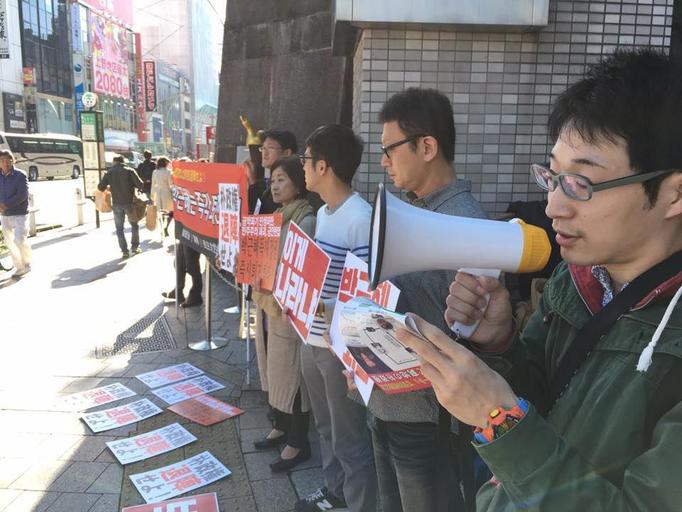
x: 10, y: 69
x: 501, y: 85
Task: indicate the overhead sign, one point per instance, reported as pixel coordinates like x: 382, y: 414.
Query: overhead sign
x: 13, y: 112
x: 89, y: 99
x: 149, y: 70
x: 4, y: 34
x: 109, y: 44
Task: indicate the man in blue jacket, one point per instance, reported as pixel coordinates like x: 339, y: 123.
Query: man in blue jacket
x: 14, y: 212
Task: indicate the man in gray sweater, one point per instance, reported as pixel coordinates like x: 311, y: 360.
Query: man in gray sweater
x: 411, y: 435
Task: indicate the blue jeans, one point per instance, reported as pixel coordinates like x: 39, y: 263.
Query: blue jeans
x: 414, y: 467
x: 120, y: 212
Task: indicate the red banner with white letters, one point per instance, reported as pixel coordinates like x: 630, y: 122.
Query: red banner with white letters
x: 300, y: 277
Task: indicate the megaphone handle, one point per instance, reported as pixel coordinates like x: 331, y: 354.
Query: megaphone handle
x: 465, y: 331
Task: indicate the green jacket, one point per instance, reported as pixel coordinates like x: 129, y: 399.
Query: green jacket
x: 613, y: 440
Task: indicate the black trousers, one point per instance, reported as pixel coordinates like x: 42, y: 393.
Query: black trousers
x: 295, y: 426
x: 188, y: 263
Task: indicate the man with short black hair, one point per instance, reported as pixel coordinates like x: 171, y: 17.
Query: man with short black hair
x: 330, y: 160
x: 276, y: 144
x: 145, y: 170
x: 123, y: 181
x: 586, y: 410
x: 14, y: 212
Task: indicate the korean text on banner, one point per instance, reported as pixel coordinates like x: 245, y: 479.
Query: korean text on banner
x: 187, y: 389
x: 168, y: 375
x: 4, y: 31
x: 98, y: 396
x: 179, y: 478
x: 205, y: 410
x: 195, y: 201
x: 300, y: 277
x: 228, y: 240
x: 119, y: 416
x: 149, y: 444
x: 197, y: 503
x: 258, y: 248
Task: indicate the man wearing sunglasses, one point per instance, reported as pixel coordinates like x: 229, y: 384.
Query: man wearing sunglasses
x: 411, y: 435
x: 589, y: 414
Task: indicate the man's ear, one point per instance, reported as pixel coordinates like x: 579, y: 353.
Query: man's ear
x: 429, y: 148
x: 671, y: 192
x: 321, y: 167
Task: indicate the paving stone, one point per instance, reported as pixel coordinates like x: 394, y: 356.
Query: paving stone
x: 7, y: 496
x: 255, y: 418
x: 73, y: 502
x: 274, y: 495
x: 18, y: 444
x: 40, y: 476
x: 78, y: 477
x: 87, y: 448
x: 33, y: 501
x: 258, y: 465
x: 239, y: 504
x: 82, y: 384
x: 11, y: 469
x: 106, y: 503
x: 109, y: 482
x: 253, y: 398
x: 306, y: 481
x: 249, y: 436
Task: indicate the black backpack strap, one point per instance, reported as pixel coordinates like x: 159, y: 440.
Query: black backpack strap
x: 599, y: 324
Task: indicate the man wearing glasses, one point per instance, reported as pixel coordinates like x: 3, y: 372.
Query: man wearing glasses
x: 576, y: 425
x: 276, y: 144
x: 411, y: 436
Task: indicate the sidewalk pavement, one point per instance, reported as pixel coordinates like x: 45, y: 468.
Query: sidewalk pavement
x: 49, y: 458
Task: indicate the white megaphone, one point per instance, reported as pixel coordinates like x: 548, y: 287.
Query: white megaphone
x: 407, y: 239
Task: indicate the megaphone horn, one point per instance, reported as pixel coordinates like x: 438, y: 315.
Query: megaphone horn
x: 407, y: 239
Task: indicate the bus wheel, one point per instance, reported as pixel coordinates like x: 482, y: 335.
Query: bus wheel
x: 33, y: 174
x: 76, y: 172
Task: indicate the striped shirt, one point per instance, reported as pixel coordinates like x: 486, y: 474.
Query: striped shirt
x: 345, y: 229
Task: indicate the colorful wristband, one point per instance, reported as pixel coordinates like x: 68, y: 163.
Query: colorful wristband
x: 501, y: 421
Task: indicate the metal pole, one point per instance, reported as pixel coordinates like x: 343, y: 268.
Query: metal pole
x: 248, y: 333
x: 177, y: 276
x: 79, y: 206
x: 209, y: 343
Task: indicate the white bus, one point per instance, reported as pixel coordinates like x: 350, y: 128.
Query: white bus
x: 45, y: 156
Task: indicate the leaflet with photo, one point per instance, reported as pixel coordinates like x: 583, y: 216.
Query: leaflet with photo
x: 119, y: 416
x: 98, y: 396
x: 176, y: 479
x: 187, y: 389
x: 149, y: 444
x: 368, y: 332
x: 169, y: 374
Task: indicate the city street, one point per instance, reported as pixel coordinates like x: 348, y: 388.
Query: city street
x: 83, y: 318
x: 56, y: 202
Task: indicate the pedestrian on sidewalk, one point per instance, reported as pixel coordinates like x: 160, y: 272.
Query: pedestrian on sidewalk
x: 187, y: 262
x: 14, y: 212
x: 287, y: 393
x: 161, y: 194
x: 123, y: 182
x: 145, y: 171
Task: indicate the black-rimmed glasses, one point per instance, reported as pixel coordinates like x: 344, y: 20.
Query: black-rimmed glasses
x: 386, y: 149
x: 303, y: 158
x: 581, y: 188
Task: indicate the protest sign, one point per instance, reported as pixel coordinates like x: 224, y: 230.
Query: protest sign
x: 170, y: 481
x: 168, y: 375
x: 118, y: 416
x: 198, y: 503
x: 149, y: 444
x: 355, y: 283
x: 205, y: 410
x: 300, y: 277
x: 258, y: 249
x: 228, y: 240
x: 368, y: 331
x: 98, y: 396
x: 195, y: 202
x: 184, y: 390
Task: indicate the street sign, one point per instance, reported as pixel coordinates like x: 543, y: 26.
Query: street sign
x: 89, y: 99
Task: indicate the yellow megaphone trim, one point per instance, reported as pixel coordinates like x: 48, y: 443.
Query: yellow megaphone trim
x: 536, y: 248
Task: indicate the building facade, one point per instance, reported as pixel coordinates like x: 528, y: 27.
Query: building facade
x: 12, y: 106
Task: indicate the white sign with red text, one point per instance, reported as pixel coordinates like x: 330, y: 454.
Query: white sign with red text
x: 300, y: 277
x: 168, y: 375
x: 118, y: 416
x: 170, y: 481
x: 184, y: 390
x: 98, y: 396
x: 198, y: 503
x: 149, y: 444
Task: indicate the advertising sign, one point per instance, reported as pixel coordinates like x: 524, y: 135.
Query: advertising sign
x: 109, y: 44
x: 175, y: 479
x: 302, y: 270
x: 205, y: 410
x: 228, y: 239
x: 97, y: 396
x: 13, y: 112
x: 168, y: 375
x: 139, y: 92
x: 4, y: 34
x: 118, y: 416
x: 184, y: 390
x: 195, y: 201
x: 149, y: 444
x: 198, y: 503
x: 121, y: 9
x: 149, y: 70
x: 258, y: 249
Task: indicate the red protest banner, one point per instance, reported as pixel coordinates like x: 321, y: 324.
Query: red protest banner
x: 301, y: 274
x: 258, y: 248
x: 195, y: 200
x: 199, y: 503
x: 355, y: 283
